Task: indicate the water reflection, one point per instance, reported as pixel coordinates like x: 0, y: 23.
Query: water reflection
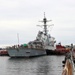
x: 49, y: 66
x: 45, y: 65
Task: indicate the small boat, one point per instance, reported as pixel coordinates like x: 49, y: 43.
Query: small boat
x: 4, y: 53
x: 61, y: 50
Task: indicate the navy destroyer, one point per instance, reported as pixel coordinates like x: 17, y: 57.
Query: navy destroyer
x: 40, y: 46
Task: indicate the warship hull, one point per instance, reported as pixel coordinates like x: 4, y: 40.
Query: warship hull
x: 25, y: 52
x: 36, y: 47
x: 54, y: 52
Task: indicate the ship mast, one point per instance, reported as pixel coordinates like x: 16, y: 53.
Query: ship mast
x: 45, y: 25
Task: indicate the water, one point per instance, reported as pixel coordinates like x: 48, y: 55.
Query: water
x: 44, y: 65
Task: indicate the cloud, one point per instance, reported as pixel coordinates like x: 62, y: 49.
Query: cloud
x: 22, y: 16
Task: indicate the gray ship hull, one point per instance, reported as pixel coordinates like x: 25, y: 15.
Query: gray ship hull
x: 25, y: 52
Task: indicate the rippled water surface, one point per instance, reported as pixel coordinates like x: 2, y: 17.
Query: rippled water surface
x: 44, y: 65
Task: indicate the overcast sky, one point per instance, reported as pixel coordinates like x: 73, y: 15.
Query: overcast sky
x: 22, y: 16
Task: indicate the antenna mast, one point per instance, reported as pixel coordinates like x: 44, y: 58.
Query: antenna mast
x: 45, y: 25
x: 18, y: 38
